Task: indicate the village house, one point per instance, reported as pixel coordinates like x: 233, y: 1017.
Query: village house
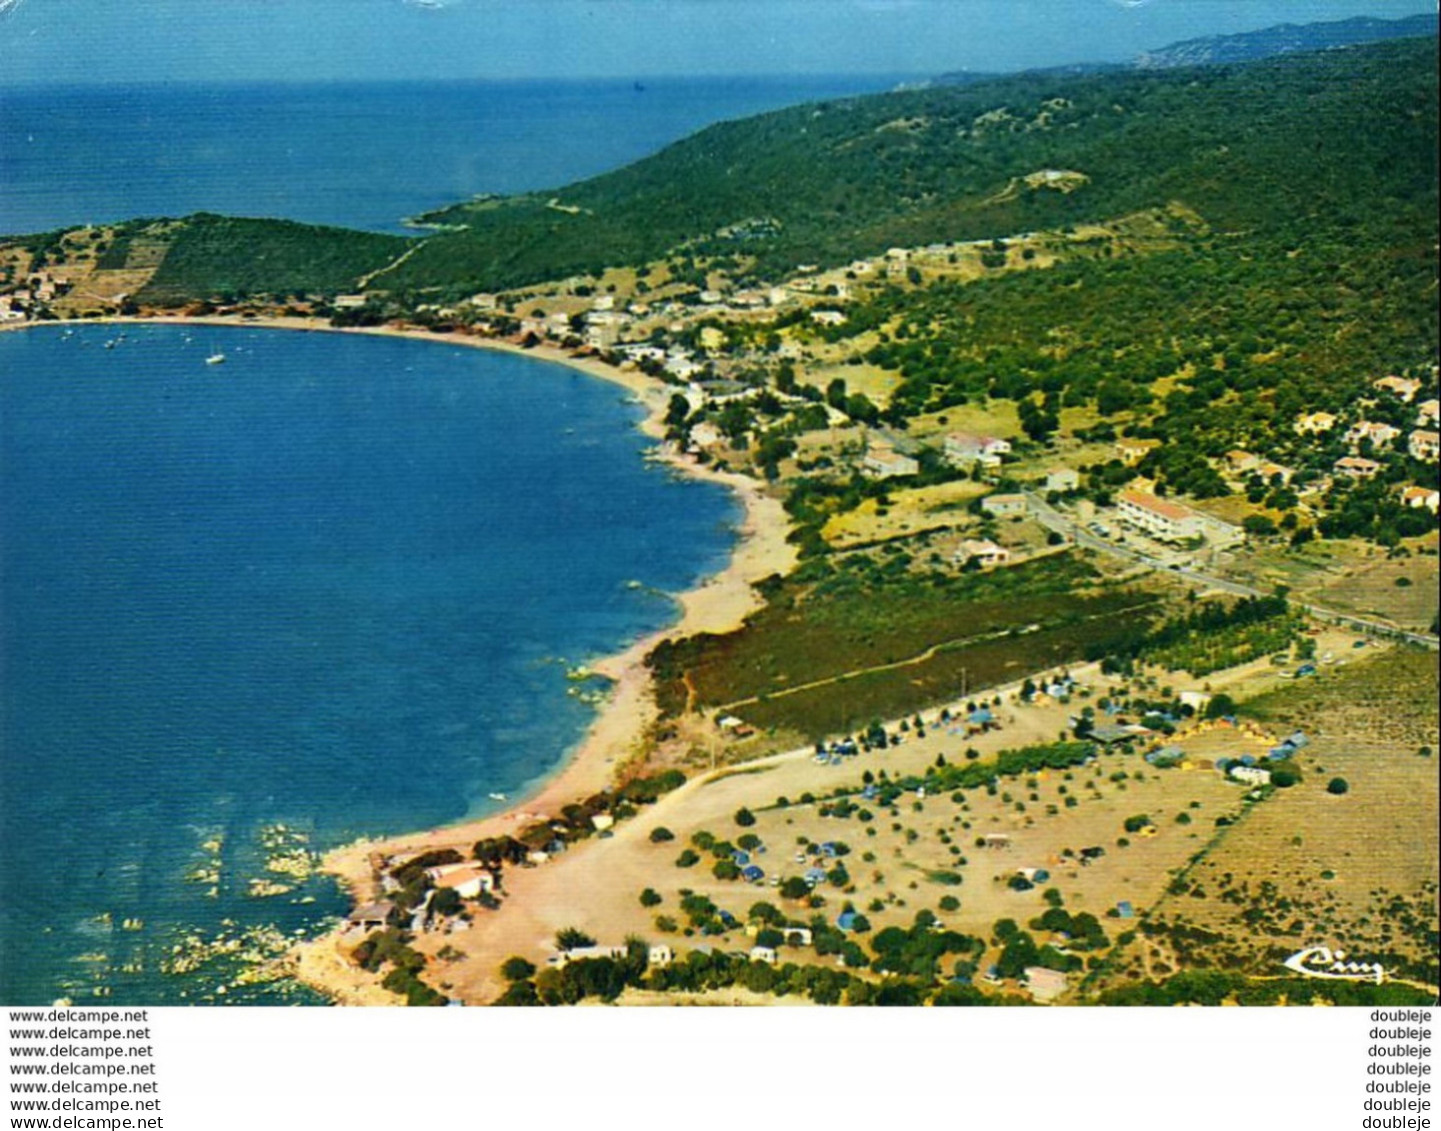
x: 1270, y: 472
x: 1160, y: 518
x: 1424, y: 446
x: 1421, y: 497
x: 1405, y: 388
x: 1428, y: 412
x: 963, y: 448
x: 1315, y: 422
x: 1380, y: 435
x: 1198, y: 701
x: 1002, y: 506
x: 659, y: 955
x: 348, y: 302
x: 1132, y: 452
x: 882, y: 461
x: 576, y: 954
x: 1355, y: 467
x: 1239, y: 462
x: 828, y: 317
x: 1250, y: 775
x: 1062, y: 479
x: 763, y: 954
x: 982, y: 551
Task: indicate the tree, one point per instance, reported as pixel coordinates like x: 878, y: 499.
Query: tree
x: 650, y: 897
x: 1338, y: 786
x: 446, y: 901
x: 744, y: 817
x: 572, y: 938
x: 795, y: 888
x: 660, y: 834
x: 516, y: 969
x: 687, y: 858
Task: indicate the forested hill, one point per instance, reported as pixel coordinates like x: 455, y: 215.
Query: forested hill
x: 1341, y: 134
x: 1341, y: 140
x: 1286, y: 39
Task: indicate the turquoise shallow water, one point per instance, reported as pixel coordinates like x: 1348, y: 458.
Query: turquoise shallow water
x: 248, y: 611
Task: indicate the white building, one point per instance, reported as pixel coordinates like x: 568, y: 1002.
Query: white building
x: 1160, y: 518
x: 964, y: 448
x: 882, y: 461
x: 1003, y: 506
x: 984, y: 551
x: 1250, y: 775
x: 1424, y: 445
x: 1062, y: 479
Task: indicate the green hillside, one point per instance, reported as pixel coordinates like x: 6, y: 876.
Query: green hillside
x: 1330, y: 140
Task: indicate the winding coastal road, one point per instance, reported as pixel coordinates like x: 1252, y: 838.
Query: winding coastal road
x: 1053, y: 519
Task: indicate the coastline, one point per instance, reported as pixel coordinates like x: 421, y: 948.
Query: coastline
x: 718, y: 603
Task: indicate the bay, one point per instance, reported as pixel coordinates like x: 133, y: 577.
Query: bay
x: 330, y: 588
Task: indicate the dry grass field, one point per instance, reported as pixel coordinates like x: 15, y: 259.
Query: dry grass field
x: 1309, y: 867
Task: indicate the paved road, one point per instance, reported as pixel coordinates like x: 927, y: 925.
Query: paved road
x: 1053, y: 519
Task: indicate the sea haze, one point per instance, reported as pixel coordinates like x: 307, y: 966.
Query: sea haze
x: 334, y: 584
x: 355, y: 155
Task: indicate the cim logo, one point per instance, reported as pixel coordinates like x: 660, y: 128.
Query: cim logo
x: 1323, y: 962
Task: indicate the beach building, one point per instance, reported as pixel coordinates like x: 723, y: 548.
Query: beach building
x: 468, y: 879
x: 965, y: 448
x: 1062, y: 479
x: 1003, y: 506
x: 1425, y: 446
x: 1312, y: 423
x: 882, y: 461
x: 1045, y: 985
x: 1356, y: 467
x: 348, y: 302
x: 374, y: 916
x: 982, y: 551
x: 1160, y: 518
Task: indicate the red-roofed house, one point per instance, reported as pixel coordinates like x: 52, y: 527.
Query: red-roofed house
x: 1424, y: 445
x: 1160, y: 518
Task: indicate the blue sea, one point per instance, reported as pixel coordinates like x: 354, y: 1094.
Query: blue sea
x: 358, y: 155
x: 331, y: 587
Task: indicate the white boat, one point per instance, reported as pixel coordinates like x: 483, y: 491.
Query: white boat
x: 215, y: 359
x: 497, y: 797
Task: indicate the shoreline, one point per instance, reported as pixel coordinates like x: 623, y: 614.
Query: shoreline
x: 718, y: 603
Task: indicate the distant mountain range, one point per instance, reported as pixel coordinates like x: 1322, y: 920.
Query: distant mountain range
x: 1283, y: 39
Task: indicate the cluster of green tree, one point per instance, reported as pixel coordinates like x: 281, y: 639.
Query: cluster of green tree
x: 1213, y: 987
x: 576, y: 821
x: 1084, y: 929
x: 1210, y: 636
x: 392, y: 946
x: 701, y: 970
x: 976, y: 774
x: 918, y: 951
x: 1020, y: 950
x: 220, y: 257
